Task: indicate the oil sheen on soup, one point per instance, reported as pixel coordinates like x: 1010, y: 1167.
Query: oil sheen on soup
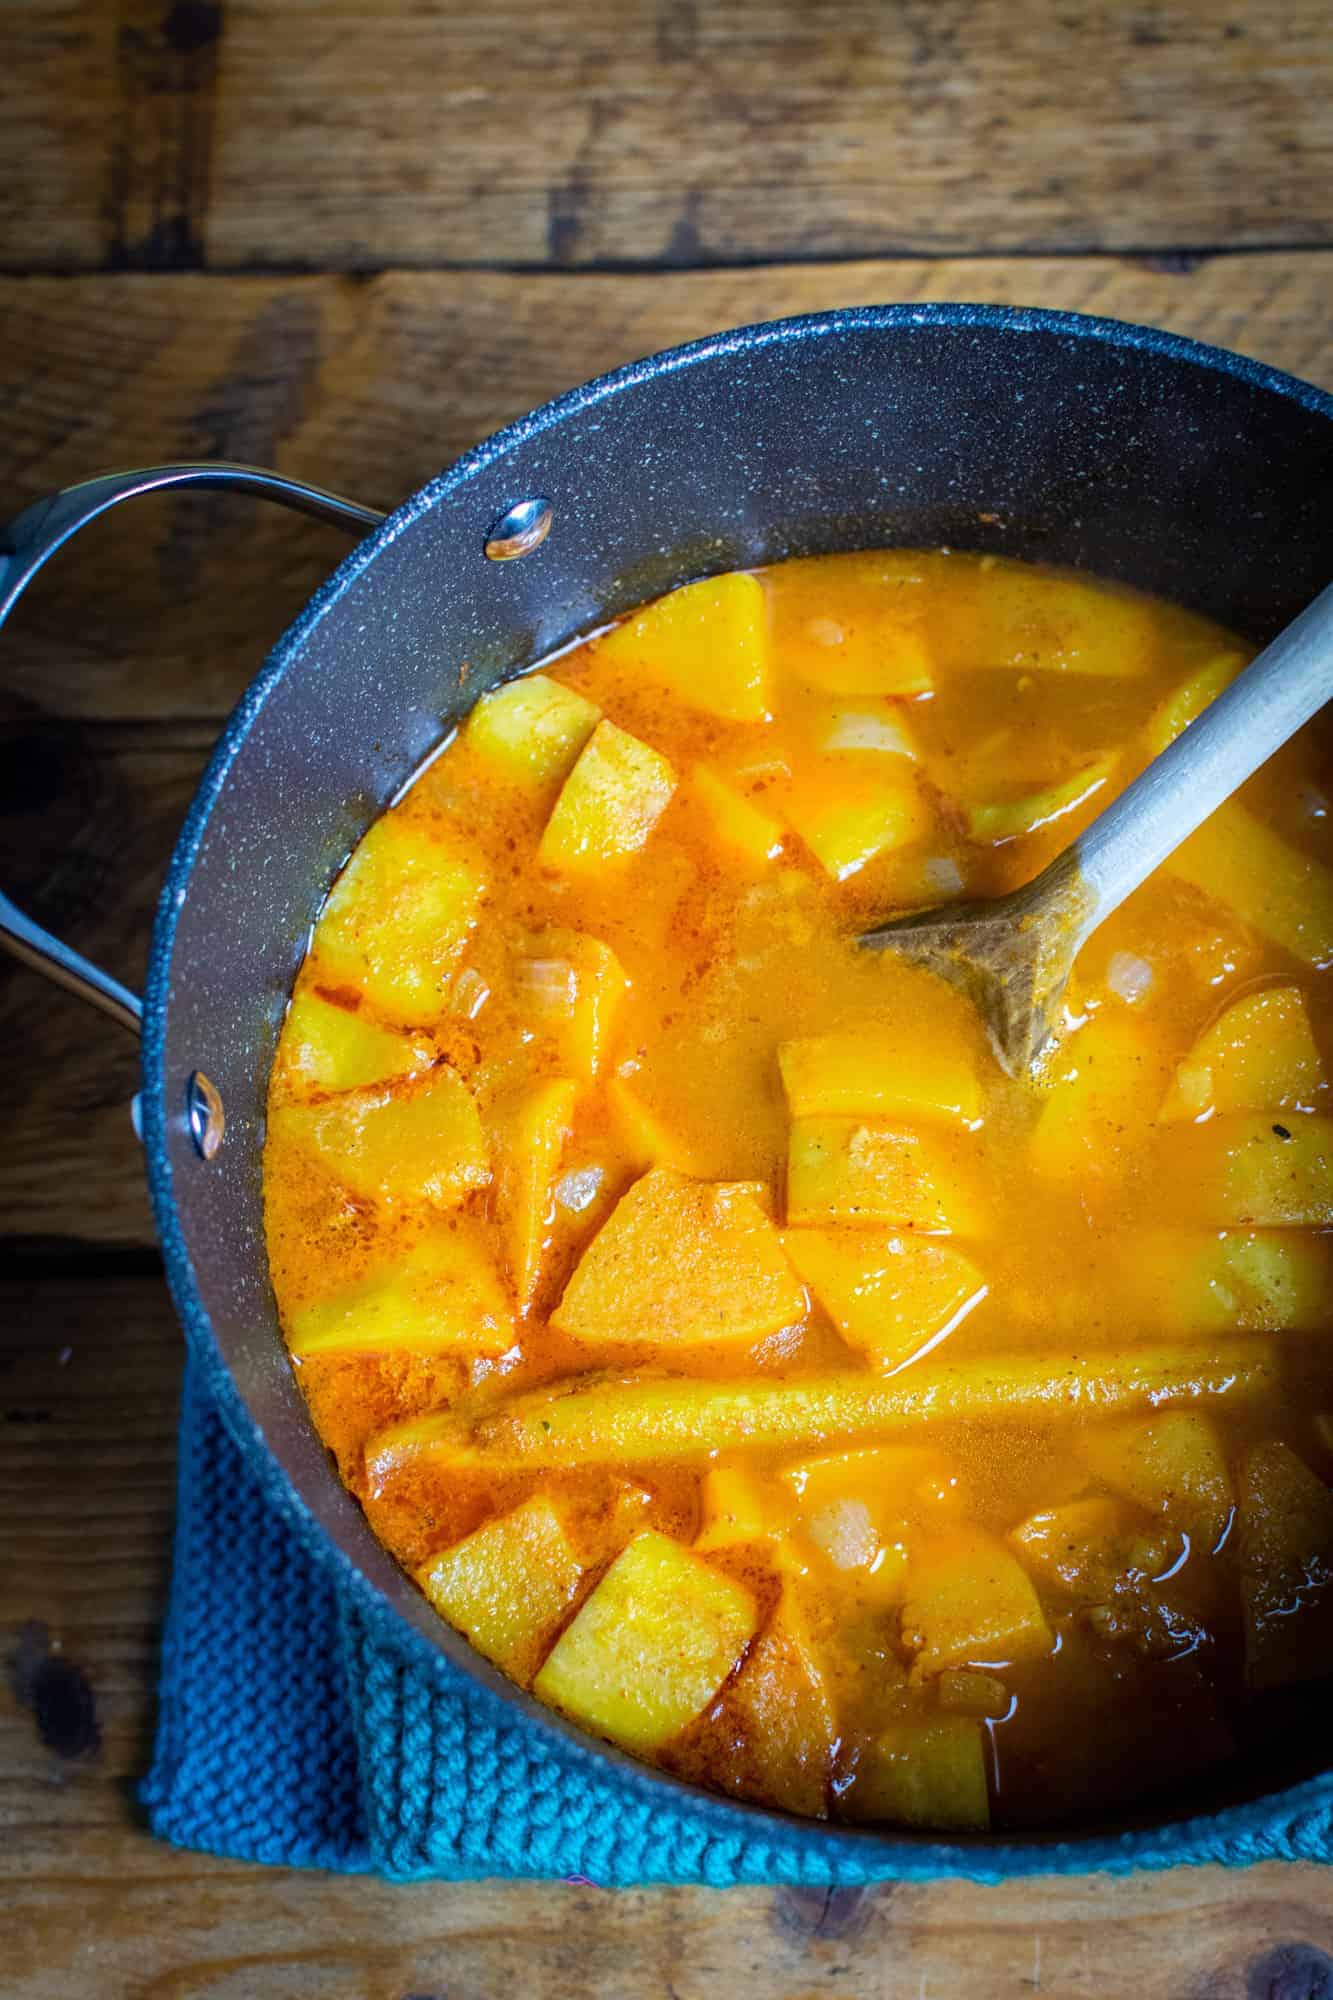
x: 725, y: 1345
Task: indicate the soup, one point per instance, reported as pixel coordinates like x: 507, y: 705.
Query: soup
x: 726, y: 1345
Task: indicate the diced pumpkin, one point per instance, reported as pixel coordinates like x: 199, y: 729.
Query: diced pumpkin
x: 681, y: 1261
x: 998, y: 820
x: 419, y: 1139
x: 1250, y: 1281
x: 879, y: 649
x: 927, y: 1771
x: 571, y: 987
x: 641, y: 1135
x: 782, y: 1697
x: 866, y: 1075
x: 508, y: 1586
x: 1172, y: 1464
x: 708, y: 642
x: 650, y: 1420
x: 532, y: 1127
x: 888, y: 1295
x: 1187, y: 702
x: 532, y: 729
x: 1280, y: 892
x: 397, y: 918
x: 1024, y: 620
x: 737, y: 830
x: 651, y: 1647
x: 735, y: 1506
x: 1102, y: 1087
x: 1247, y: 1171
x: 1259, y: 1055
x: 863, y: 1171
x: 443, y: 1297
x: 326, y: 1047
x: 977, y: 1695
x: 1285, y: 1524
x: 1084, y: 1547
x: 969, y: 1602
x: 846, y: 819
x: 608, y: 805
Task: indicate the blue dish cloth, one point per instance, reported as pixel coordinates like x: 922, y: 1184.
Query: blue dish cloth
x: 300, y: 1724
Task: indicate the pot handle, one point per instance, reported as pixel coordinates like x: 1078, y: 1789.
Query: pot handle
x: 36, y: 534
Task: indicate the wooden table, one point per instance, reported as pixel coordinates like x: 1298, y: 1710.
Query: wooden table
x: 347, y: 240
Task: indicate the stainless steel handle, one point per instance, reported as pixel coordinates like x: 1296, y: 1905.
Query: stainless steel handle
x: 31, y: 538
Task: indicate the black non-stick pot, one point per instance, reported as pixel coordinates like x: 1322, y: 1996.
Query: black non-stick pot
x: 1132, y: 454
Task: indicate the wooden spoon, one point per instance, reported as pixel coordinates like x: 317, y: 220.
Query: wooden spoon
x: 1013, y: 956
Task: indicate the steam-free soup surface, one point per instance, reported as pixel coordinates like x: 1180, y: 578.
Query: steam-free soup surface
x: 722, y: 1341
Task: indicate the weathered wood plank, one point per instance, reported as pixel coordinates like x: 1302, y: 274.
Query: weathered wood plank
x: 93, y: 1906
x: 655, y: 132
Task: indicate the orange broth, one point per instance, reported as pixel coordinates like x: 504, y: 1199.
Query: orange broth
x: 586, y: 1084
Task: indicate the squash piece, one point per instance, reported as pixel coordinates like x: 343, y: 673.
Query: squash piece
x: 1244, y: 1172
x: 927, y: 1771
x: 1186, y: 704
x: 608, y: 805
x: 865, y: 1075
x: 737, y: 829
x: 416, y: 1140
x: 708, y: 642
x: 781, y: 1695
x: 508, y: 1586
x: 681, y: 1260
x: 645, y: 1419
x: 1259, y: 1055
x: 1285, y: 1521
x: 1172, y: 1464
x: 846, y: 820
x: 1283, y: 894
x: 533, y: 1125
x: 977, y: 1695
x: 879, y: 649
x: 969, y: 1602
x: 326, y: 1047
x: 860, y: 1170
x: 1055, y: 625
x: 396, y: 919
x: 651, y: 1647
x: 532, y: 729
x: 641, y: 1135
x: 888, y: 1295
x: 1282, y: 1283
x: 997, y: 821
x: 1102, y: 1087
x: 443, y: 1297
x: 1084, y: 1547
x: 736, y: 1507
x: 572, y: 987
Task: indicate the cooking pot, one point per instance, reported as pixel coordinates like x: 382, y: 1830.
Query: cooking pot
x: 1179, y: 468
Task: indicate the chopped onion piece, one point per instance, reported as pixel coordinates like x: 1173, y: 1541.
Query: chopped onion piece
x: 942, y: 875
x: 859, y: 729
x: 470, y: 993
x: 846, y: 1534
x: 1130, y: 978
x: 553, y: 984
x: 580, y: 1189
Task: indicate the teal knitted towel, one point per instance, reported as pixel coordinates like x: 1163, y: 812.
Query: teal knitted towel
x: 300, y: 1722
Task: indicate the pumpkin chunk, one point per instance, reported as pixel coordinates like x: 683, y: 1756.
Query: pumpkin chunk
x: 1009, y: 819
x: 1172, y: 1464
x: 651, y: 1646
x: 1083, y: 1547
x: 532, y: 728
x: 508, y: 1586
x: 860, y: 1170
x: 443, y: 1297
x: 325, y: 1047
x: 1286, y: 1554
x: 708, y: 642
x: 888, y: 1295
x: 1101, y: 1083
x: 608, y: 805
x: 737, y: 829
x: 924, y: 1771
x: 572, y: 988
x: 867, y: 1075
x: 1258, y: 1056
x: 1246, y: 1171
x: 969, y: 1602
x: 978, y: 1695
x: 1281, y: 893
x: 1174, y: 715
x: 846, y: 820
x: 417, y: 1140
x: 781, y: 1694
x: 682, y: 1260
x: 735, y: 1507
x: 397, y: 918
x: 532, y: 1127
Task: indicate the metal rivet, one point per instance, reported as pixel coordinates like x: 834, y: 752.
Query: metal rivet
x: 203, y: 1108
x: 519, y: 530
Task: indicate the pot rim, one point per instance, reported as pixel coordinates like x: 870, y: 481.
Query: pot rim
x: 1102, y: 1842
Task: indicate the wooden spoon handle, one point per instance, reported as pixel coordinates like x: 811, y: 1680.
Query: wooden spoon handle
x: 1288, y: 683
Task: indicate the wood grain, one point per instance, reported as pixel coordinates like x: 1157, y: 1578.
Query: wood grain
x: 672, y: 132
x: 89, y: 1905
